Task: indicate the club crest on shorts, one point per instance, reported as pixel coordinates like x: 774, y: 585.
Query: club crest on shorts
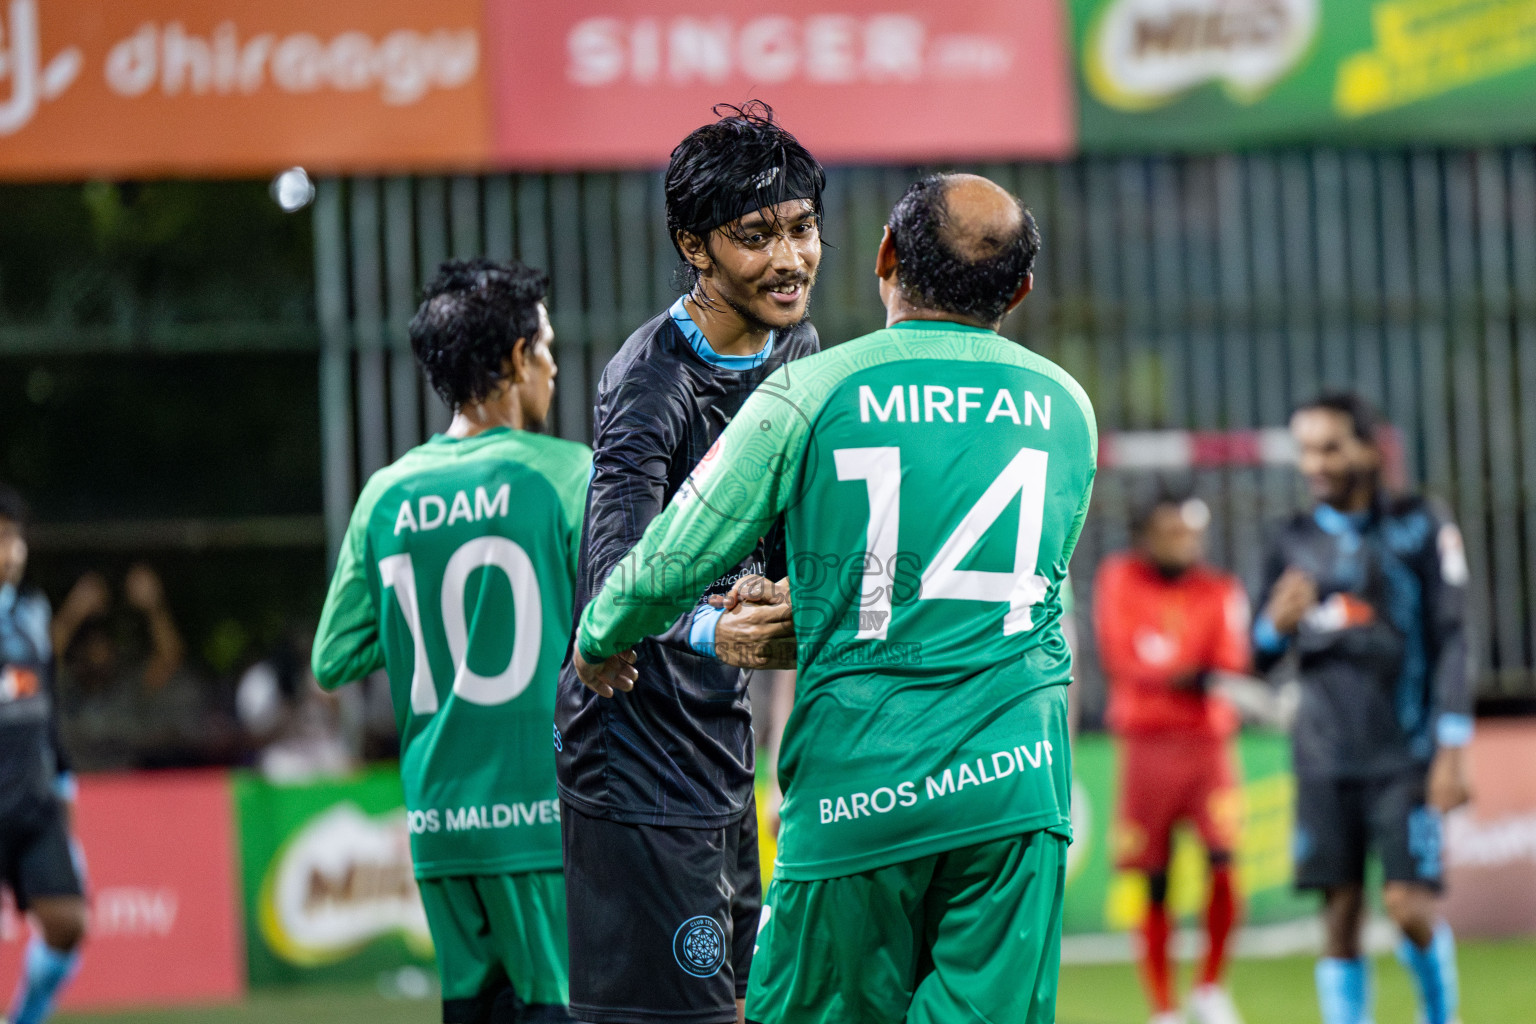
x: 699, y: 946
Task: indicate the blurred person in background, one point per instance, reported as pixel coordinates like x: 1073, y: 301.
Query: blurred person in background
x: 1367, y: 590
x: 456, y: 575
x: 39, y: 861
x: 128, y: 699
x: 295, y: 726
x: 1166, y: 623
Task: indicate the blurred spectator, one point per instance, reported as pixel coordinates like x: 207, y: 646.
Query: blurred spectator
x: 127, y: 699
x: 296, y: 726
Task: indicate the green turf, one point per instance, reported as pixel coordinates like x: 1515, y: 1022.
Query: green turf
x: 1498, y: 987
x: 1498, y: 983
x: 299, y: 1006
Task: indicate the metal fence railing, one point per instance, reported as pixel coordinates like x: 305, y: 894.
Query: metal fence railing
x: 1208, y: 293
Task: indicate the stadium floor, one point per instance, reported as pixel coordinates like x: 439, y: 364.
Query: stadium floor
x: 1497, y: 979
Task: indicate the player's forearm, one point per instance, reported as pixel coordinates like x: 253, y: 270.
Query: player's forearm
x: 607, y: 554
x: 1162, y: 679
x: 1452, y: 690
x: 346, y: 644
x: 684, y: 550
x: 693, y: 542
x: 650, y: 589
x: 345, y: 657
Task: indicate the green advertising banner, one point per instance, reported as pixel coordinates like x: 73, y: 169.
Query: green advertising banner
x: 329, y: 894
x: 1219, y: 74
x: 326, y: 878
x: 1100, y: 899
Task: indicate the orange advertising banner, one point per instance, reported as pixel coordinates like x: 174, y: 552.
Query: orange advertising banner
x: 199, y: 88
x: 142, y: 88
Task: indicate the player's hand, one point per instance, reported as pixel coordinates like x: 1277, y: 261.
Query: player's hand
x: 758, y: 627
x: 1294, y: 595
x: 617, y: 673
x: 756, y: 589
x: 1450, y: 783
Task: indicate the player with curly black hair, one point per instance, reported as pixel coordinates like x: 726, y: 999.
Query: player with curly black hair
x: 473, y: 315
x: 456, y: 576
x: 656, y: 779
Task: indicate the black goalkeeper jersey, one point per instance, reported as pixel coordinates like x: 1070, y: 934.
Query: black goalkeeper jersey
x: 677, y: 749
x: 30, y: 758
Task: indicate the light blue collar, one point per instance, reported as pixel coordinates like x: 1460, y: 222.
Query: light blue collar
x: 1335, y: 522
x: 7, y: 597
x: 679, y: 314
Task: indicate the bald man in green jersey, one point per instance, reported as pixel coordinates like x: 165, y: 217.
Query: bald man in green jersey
x: 933, y: 478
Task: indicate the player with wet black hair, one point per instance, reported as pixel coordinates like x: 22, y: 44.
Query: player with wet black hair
x: 704, y: 182
x: 663, y: 884
x: 471, y: 317
x: 455, y: 576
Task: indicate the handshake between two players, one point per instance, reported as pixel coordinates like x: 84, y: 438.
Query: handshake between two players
x: 918, y: 491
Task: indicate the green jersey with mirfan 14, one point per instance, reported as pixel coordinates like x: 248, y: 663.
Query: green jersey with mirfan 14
x: 456, y: 576
x: 933, y: 480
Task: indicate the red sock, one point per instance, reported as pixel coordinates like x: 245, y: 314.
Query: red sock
x: 1154, y: 958
x: 1220, y: 916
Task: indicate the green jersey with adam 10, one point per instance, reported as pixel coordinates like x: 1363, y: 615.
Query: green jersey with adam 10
x: 456, y: 575
x: 933, y: 480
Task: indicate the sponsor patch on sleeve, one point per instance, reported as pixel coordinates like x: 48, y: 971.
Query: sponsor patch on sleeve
x: 1453, y: 556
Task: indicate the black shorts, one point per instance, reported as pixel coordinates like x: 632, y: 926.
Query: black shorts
x: 662, y: 919
x: 35, y: 859
x: 1338, y: 821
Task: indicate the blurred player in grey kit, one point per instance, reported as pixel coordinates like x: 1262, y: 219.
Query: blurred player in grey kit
x: 37, y: 861
x: 1368, y: 590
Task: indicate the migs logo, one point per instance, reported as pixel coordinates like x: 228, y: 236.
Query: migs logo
x: 699, y: 946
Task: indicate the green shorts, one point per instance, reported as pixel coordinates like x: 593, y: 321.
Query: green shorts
x: 972, y: 934
x: 492, y: 930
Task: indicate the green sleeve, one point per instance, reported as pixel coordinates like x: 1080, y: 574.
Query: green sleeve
x: 1076, y: 530
x: 574, y: 498
x: 729, y: 500
x: 347, y: 641
x: 1092, y: 420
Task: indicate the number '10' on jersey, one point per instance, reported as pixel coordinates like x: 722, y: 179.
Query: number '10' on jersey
x: 456, y: 576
